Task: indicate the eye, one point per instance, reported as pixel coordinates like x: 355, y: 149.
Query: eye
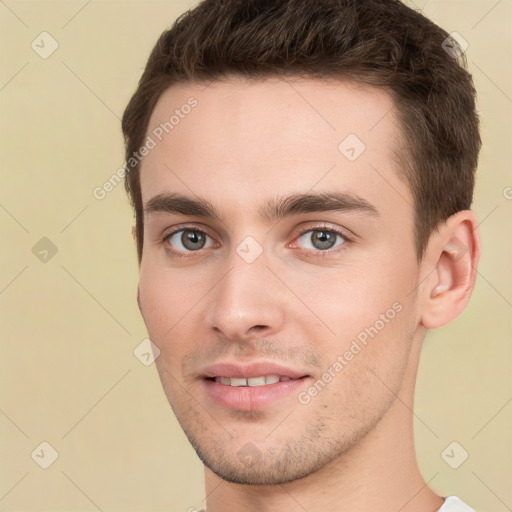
x: 320, y: 239
x: 186, y: 240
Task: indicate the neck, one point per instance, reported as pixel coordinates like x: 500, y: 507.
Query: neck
x: 379, y: 473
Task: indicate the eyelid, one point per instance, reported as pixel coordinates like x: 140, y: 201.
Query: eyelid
x: 322, y: 225
x: 186, y: 227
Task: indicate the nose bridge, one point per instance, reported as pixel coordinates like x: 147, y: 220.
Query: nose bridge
x: 246, y: 297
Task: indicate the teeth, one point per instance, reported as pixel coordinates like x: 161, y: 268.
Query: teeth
x: 256, y: 381
x: 238, y: 382
x: 252, y: 382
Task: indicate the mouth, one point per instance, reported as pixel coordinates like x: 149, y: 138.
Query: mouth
x: 252, y: 387
x: 252, y: 381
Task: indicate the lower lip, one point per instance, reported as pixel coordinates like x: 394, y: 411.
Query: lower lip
x: 252, y: 398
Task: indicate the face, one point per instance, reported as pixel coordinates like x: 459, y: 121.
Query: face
x: 277, y: 270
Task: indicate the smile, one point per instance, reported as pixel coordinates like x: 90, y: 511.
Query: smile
x: 253, y: 381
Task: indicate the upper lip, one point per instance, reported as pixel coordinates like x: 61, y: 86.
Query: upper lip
x: 247, y: 371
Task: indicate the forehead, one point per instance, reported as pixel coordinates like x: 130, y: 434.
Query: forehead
x: 243, y: 140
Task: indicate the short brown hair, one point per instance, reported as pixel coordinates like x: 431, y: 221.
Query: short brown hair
x: 381, y: 43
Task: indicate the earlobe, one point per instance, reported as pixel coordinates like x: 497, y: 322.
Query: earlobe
x: 453, y: 254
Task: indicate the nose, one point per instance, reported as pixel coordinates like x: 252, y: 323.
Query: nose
x: 246, y: 303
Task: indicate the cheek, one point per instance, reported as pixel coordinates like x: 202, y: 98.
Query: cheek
x: 349, y: 299
x: 371, y: 318
x: 371, y: 362
x: 165, y: 300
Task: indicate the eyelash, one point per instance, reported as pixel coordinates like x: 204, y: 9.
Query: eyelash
x: 317, y: 253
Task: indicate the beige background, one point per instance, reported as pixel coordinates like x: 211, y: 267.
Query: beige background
x: 69, y: 325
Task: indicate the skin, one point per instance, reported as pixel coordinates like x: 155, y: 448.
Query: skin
x: 351, y: 446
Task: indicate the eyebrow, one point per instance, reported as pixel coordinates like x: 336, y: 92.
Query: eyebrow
x: 274, y: 209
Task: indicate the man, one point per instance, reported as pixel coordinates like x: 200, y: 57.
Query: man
x: 302, y: 175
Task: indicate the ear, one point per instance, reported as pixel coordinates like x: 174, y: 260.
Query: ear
x: 451, y: 262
